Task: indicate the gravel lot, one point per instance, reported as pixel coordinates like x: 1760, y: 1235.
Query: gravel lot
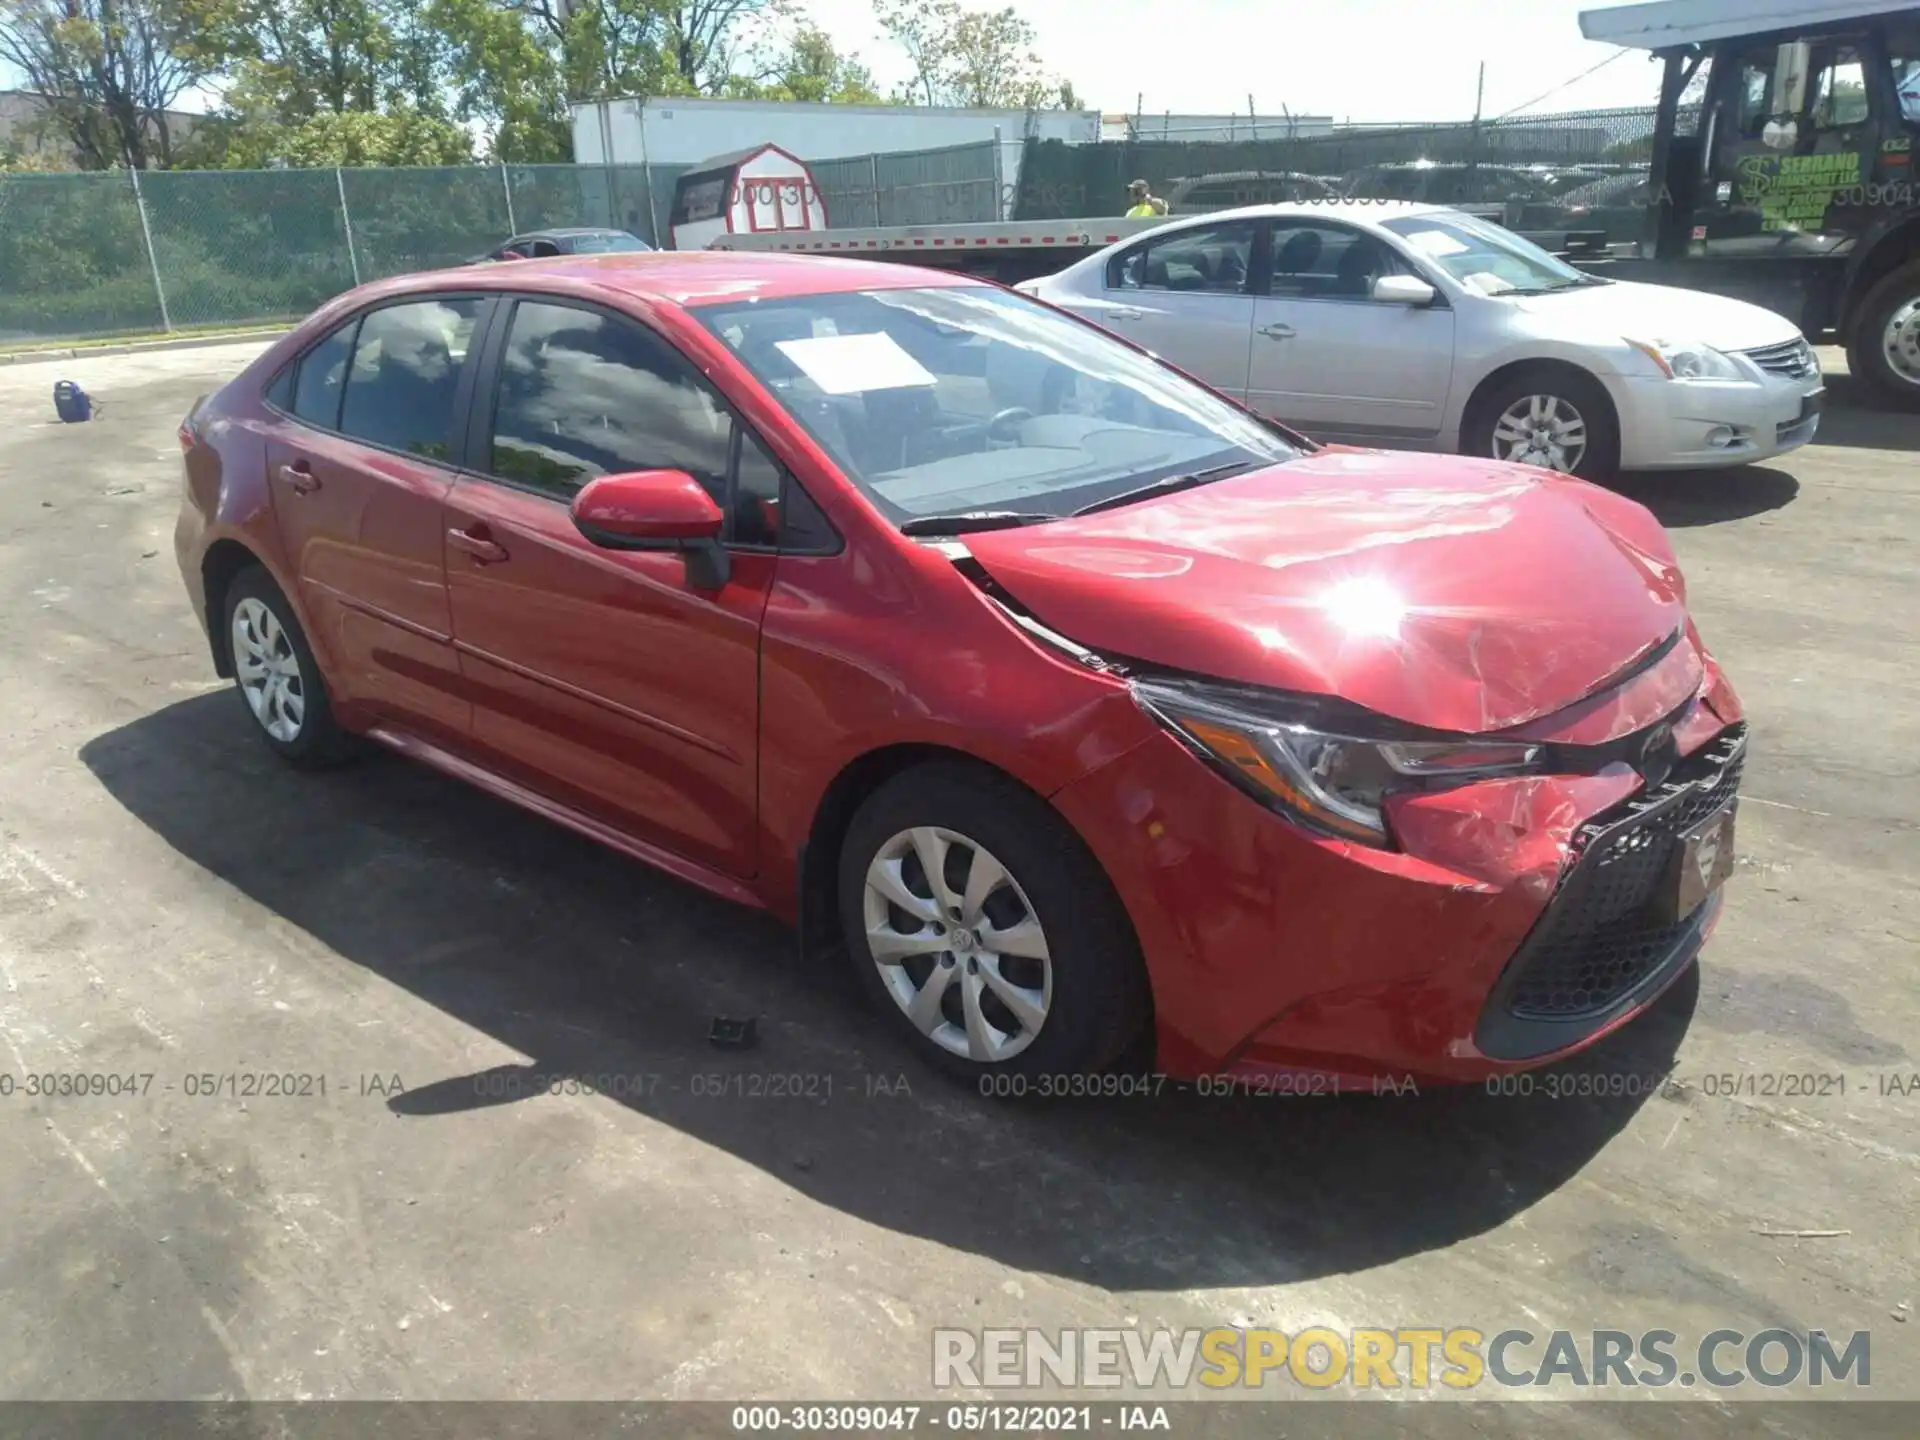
x: 173, y: 903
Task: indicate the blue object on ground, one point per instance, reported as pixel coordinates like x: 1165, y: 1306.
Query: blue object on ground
x: 73, y: 403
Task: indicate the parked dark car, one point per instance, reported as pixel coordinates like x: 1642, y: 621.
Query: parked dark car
x: 582, y: 240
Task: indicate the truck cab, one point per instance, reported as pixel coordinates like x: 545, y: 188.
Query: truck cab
x: 1783, y: 166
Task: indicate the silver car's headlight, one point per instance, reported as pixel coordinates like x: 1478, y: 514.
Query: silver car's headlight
x: 1332, y: 783
x: 1689, y: 360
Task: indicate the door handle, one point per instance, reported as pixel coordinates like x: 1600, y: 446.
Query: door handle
x: 482, y: 547
x: 1278, y: 332
x: 299, y: 478
x: 1124, y: 312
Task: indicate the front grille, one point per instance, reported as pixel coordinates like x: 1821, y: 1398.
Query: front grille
x: 1603, y: 935
x: 1793, y: 359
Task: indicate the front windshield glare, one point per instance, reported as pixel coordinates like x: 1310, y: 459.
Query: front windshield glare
x: 965, y: 398
x: 1484, y: 256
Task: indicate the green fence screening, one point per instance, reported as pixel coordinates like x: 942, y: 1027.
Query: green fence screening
x: 1437, y: 163
x: 98, y: 254
x: 233, y: 247
x: 956, y: 183
x: 104, y: 254
x: 72, y: 258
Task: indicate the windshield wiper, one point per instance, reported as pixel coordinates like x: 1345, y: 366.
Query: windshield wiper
x: 1165, y: 486
x: 963, y: 522
x: 1578, y: 283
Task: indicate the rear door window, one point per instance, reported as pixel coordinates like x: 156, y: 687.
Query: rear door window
x: 1211, y: 258
x: 401, y: 388
x: 322, y: 377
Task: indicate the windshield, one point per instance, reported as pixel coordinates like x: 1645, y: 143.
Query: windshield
x: 1484, y: 256
x: 961, y: 399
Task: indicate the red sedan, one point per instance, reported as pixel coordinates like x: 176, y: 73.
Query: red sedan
x: 1073, y: 701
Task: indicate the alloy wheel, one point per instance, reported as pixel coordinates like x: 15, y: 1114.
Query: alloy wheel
x: 268, y: 670
x: 957, y: 944
x: 1543, y: 430
x: 1900, y: 341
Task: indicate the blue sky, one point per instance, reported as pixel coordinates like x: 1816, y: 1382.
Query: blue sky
x: 1352, y: 59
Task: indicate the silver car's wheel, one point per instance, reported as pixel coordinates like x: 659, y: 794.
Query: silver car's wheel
x: 957, y: 944
x: 268, y: 670
x: 1900, y: 341
x: 1543, y: 430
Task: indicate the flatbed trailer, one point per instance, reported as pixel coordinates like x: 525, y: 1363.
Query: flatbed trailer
x: 1006, y: 250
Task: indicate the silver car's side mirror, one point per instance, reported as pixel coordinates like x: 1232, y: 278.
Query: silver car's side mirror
x: 1404, y: 290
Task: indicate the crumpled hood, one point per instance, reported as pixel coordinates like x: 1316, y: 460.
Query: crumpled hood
x: 1461, y: 594
x: 1661, y: 312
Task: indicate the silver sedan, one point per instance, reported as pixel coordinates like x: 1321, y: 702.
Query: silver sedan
x: 1418, y: 326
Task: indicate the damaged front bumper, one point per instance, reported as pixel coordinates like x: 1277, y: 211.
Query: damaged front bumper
x: 1518, y: 919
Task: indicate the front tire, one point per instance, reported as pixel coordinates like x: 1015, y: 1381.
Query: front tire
x: 1883, y: 345
x: 276, y: 676
x: 1552, y: 416
x: 977, y: 919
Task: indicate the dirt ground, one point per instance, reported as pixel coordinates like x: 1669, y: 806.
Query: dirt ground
x: 173, y: 903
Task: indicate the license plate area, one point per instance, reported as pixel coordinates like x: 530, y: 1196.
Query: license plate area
x: 1702, y: 863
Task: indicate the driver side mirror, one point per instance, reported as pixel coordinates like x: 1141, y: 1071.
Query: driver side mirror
x: 1407, y: 290
x: 656, y: 510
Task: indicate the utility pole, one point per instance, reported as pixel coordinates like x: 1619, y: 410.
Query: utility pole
x: 1479, y: 98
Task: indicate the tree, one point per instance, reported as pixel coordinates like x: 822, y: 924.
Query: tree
x: 978, y: 58
x: 707, y: 38
x: 399, y: 136
x: 507, y: 73
x: 809, y: 69
x: 109, y: 70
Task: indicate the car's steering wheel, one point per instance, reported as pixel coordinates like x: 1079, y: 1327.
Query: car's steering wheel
x: 1000, y: 427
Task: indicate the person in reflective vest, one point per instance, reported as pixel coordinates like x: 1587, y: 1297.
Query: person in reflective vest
x: 1144, y: 201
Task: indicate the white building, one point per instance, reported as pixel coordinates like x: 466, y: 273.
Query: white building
x: 688, y: 132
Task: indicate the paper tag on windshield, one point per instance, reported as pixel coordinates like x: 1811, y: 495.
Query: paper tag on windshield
x: 1435, y: 243
x: 853, y: 364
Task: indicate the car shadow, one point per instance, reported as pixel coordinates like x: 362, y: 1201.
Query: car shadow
x: 1860, y: 418
x: 601, y: 969
x: 1682, y: 499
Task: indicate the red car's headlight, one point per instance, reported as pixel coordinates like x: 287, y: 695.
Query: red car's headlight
x: 1334, y: 784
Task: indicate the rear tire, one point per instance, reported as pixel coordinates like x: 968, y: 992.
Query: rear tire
x: 1066, y: 994
x: 1553, y: 416
x: 1883, y: 343
x: 276, y: 676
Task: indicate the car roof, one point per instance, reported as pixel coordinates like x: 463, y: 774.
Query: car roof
x: 1367, y: 211
x: 571, y: 230
x: 686, y: 278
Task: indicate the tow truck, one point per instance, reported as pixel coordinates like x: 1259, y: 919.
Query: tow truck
x: 1783, y: 167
